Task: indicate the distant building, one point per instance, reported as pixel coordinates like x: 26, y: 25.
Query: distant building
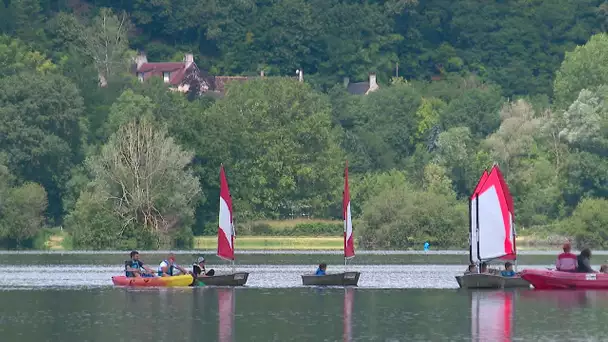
x: 182, y: 76
x: 362, y: 88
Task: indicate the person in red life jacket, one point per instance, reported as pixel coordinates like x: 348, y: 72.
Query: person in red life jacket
x: 566, y: 262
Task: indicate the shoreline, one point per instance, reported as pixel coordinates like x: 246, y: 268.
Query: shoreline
x: 327, y: 244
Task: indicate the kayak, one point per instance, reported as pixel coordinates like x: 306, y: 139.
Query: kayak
x: 180, y: 280
x: 550, y: 279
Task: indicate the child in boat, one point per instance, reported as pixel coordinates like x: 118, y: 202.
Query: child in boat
x: 508, y: 272
x: 472, y: 269
x: 198, y: 268
x: 604, y: 268
x: 321, y: 269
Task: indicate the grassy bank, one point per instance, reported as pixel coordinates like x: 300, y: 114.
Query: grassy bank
x: 275, y: 242
x: 305, y: 234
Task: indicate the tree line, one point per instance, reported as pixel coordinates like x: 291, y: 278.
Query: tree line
x: 133, y: 164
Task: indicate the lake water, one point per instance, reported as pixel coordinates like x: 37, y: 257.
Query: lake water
x: 70, y: 298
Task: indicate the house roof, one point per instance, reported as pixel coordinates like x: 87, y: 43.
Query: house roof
x: 177, y: 70
x: 359, y: 88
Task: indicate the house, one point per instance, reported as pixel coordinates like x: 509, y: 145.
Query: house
x: 362, y: 88
x: 182, y: 76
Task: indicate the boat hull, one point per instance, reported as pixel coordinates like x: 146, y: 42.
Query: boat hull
x: 549, y: 280
x: 489, y: 281
x: 234, y: 279
x: 180, y: 280
x: 338, y: 279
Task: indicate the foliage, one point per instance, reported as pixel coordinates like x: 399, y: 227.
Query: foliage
x: 462, y: 85
x: 141, y: 174
x: 588, y: 223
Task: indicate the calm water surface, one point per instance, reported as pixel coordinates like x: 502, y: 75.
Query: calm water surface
x: 57, y: 299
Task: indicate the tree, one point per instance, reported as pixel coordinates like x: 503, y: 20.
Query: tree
x: 16, y: 57
x: 514, y: 139
x: 21, y: 210
x: 477, y: 108
x: 588, y: 222
x: 583, y: 68
x: 41, y: 131
x: 143, y: 176
x: 402, y: 217
x: 107, y: 44
x: 275, y: 137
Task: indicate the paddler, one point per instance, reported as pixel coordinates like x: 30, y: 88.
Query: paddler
x: 134, y: 267
x: 167, y: 266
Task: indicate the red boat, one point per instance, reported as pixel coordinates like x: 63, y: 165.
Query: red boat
x: 549, y: 279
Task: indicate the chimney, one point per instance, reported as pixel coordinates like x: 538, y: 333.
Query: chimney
x: 188, y: 59
x: 346, y: 82
x: 141, y: 59
x: 372, y: 82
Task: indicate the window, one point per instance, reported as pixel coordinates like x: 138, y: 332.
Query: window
x: 140, y: 76
x: 166, y: 76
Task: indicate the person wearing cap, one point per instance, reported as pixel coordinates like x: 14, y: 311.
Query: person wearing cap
x: 198, y: 268
x: 167, y: 266
x: 135, y: 268
x: 566, y: 261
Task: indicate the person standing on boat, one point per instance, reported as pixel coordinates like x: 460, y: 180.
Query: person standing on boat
x: 134, y: 267
x: 321, y: 270
x: 584, y: 262
x: 566, y: 261
x: 167, y: 266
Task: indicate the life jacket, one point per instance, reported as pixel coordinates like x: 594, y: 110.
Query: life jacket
x: 566, y: 262
x: 169, y: 271
x: 132, y: 264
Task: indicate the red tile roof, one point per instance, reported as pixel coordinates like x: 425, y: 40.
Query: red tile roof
x: 177, y: 70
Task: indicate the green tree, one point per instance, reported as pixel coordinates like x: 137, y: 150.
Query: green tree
x: 583, y: 68
x: 41, y: 131
x: 143, y: 176
x: 588, y: 223
x: 275, y: 137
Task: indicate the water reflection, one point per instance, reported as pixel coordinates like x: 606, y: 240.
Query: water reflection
x: 349, y: 294
x: 226, y: 303
x: 491, y: 315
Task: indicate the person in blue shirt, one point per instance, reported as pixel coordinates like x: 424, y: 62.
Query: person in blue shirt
x: 508, y: 272
x: 321, y: 269
x: 426, y: 246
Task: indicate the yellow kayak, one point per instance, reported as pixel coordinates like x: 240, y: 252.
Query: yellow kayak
x: 180, y: 280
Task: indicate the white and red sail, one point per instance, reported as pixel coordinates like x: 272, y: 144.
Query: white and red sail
x: 225, y: 232
x: 474, y: 257
x: 349, y: 240
x: 494, y: 219
x: 511, y: 218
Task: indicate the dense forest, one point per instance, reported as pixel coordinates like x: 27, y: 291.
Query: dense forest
x: 120, y: 163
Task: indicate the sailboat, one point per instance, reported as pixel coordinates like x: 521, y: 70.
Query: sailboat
x: 346, y: 278
x: 225, y: 239
x: 492, y: 233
